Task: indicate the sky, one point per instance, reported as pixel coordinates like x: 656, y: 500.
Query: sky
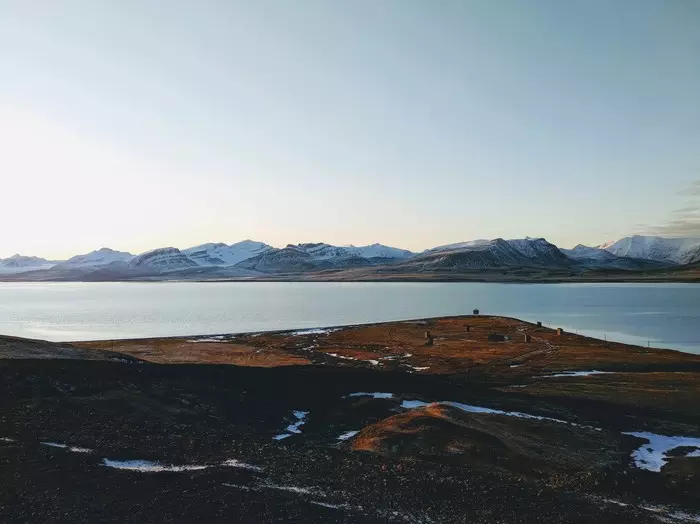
x: 137, y: 124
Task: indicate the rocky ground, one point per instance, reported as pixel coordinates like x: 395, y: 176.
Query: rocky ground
x: 369, y: 423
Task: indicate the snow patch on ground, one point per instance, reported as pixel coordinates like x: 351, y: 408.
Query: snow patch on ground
x: 235, y: 463
x: 348, y: 435
x: 412, y: 404
x: 664, y: 514
x: 417, y: 368
x: 331, y: 506
x: 578, y: 373
x: 314, y: 331
x: 54, y: 445
x: 74, y: 449
x: 373, y: 395
x: 652, y: 456
x: 146, y: 466
x: 210, y: 339
x: 293, y: 428
x: 6, y: 439
x: 294, y: 489
x: 515, y: 365
x: 238, y: 486
x: 374, y: 362
x: 340, y: 356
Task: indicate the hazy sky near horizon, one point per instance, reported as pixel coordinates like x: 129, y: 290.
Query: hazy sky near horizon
x: 137, y: 124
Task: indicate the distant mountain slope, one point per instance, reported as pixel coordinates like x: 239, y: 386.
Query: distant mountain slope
x: 457, y: 246
x: 379, y: 251
x: 581, y: 252
x: 491, y: 254
x: 678, y: 250
x: 100, y: 257
x: 321, y: 256
x: 597, y: 258
x: 162, y: 260
x: 249, y: 259
x: 20, y: 264
x: 225, y: 255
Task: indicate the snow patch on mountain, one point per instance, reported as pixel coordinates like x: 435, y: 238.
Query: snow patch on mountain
x: 458, y: 246
x: 491, y: 254
x: 100, y: 257
x: 379, y: 251
x: 678, y: 250
x: 219, y: 254
x: 19, y: 264
x: 581, y: 252
x: 162, y: 260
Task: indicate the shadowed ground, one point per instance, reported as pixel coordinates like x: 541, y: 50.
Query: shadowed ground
x: 360, y: 424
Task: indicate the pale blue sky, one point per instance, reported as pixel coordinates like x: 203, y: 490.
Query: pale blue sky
x: 138, y: 124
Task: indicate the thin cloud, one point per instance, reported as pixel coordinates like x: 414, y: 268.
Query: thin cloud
x: 676, y: 228
x: 685, y: 221
x: 693, y: 189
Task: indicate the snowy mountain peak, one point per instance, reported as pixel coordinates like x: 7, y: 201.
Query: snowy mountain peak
x: 377, y: 250
x: 162, y: 260
x: 677, y: 250
x: 582, y: 252
x: 99, y: 257
x: 220, y: 254
x: 18, y: 263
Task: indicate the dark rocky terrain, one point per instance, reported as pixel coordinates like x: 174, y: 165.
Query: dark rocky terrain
x: 370, y: 423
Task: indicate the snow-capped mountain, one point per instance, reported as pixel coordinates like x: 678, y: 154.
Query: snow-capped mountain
x: 539, y: 250
x: 225, y: 255
x: 250, y: 259
x: 457, y: 246
x: 20, y: 264
x: 492, y: 254
x: 304, y: 257
x: 162, y: 260
x: 320, y: 256
x: 323, y: 251
x: 581, y: 252
x: 678, y: 250
x: 379, y: 251
x: 100, y: 257
x: 597, y: 258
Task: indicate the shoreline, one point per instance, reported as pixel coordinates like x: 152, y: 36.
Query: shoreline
x: 342, y: 327
x: 437, y: 280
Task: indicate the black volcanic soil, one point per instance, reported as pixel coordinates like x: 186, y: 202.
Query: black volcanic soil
x: 185, y: 403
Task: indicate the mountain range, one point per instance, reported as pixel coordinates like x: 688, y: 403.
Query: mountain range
x: 250, y: 259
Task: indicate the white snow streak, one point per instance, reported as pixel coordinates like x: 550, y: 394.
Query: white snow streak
x: 235, y: 463
x: 74, y: 449
x: 314, y: 331
x: 373, y: 395
x: 578, y: 373
x: 146, y: 466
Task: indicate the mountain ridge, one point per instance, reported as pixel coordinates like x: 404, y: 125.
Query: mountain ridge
x: 253, y: 259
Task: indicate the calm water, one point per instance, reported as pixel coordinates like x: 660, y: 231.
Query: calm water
x: 667, y: 315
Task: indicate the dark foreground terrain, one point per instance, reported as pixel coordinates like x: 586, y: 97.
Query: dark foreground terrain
x: 360, y: 424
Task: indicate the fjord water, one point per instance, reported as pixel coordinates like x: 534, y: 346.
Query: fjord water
x: 664, y: 315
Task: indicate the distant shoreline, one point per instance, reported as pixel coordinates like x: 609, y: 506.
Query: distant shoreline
x: 695, y: 279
